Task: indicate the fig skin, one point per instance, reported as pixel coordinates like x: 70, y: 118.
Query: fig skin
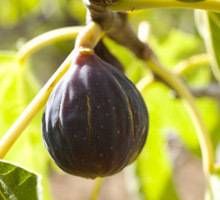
x: 95, y: 122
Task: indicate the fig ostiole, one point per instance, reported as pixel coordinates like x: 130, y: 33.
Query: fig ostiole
x: 95, y: 122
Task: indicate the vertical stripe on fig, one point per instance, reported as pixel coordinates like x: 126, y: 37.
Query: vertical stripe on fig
x: 89, y: 117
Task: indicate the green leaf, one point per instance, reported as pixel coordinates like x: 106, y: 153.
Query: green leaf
x: 153, y: 166
x: 18, y: 87
x: 208, y: 24
x: 17, y: 183
x: 14, y: 11
x: 169, y: 50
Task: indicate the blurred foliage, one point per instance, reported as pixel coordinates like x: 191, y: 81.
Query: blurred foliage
x: 215, y: 182
x: 208, y: 24
x: 18, y: 87
x: 14, y: 11
x: 172, y: 35
x: 153, y: 166
x: 17, y: 183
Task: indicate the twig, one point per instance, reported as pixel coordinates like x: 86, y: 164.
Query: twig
x: 117, y: 27
x: 212, y: 90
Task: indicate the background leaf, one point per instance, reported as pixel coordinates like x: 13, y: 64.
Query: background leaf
x: 208, y: 24
x: 17, y: 184
x: 173, y: 38
x: 154, y: 167
x: 18, y: 88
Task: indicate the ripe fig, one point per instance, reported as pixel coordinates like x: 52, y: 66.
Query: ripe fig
x: 95, y: 122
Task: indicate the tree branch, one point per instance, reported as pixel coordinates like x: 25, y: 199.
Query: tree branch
x: 117, y: 27
x: 124, y: 5
x: 212, y: 90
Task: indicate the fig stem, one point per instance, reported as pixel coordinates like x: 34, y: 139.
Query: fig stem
x: 123, y: 5
x: 41, y: 41
x: 90, y: 36
x: 32, y: 109
x: 96, y: 189
x: 189, y: 102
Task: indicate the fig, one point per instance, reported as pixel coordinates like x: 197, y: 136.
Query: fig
x: 95, y: 122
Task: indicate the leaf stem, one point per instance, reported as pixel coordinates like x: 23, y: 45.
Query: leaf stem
x: 180, y: 69
x: 46, y: 39
x: 189, y: 102
x: 191, y: 63
x: 96, y: 189
x: 125, y: 5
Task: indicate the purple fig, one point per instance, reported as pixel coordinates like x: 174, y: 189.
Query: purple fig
x: 95, y: 122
